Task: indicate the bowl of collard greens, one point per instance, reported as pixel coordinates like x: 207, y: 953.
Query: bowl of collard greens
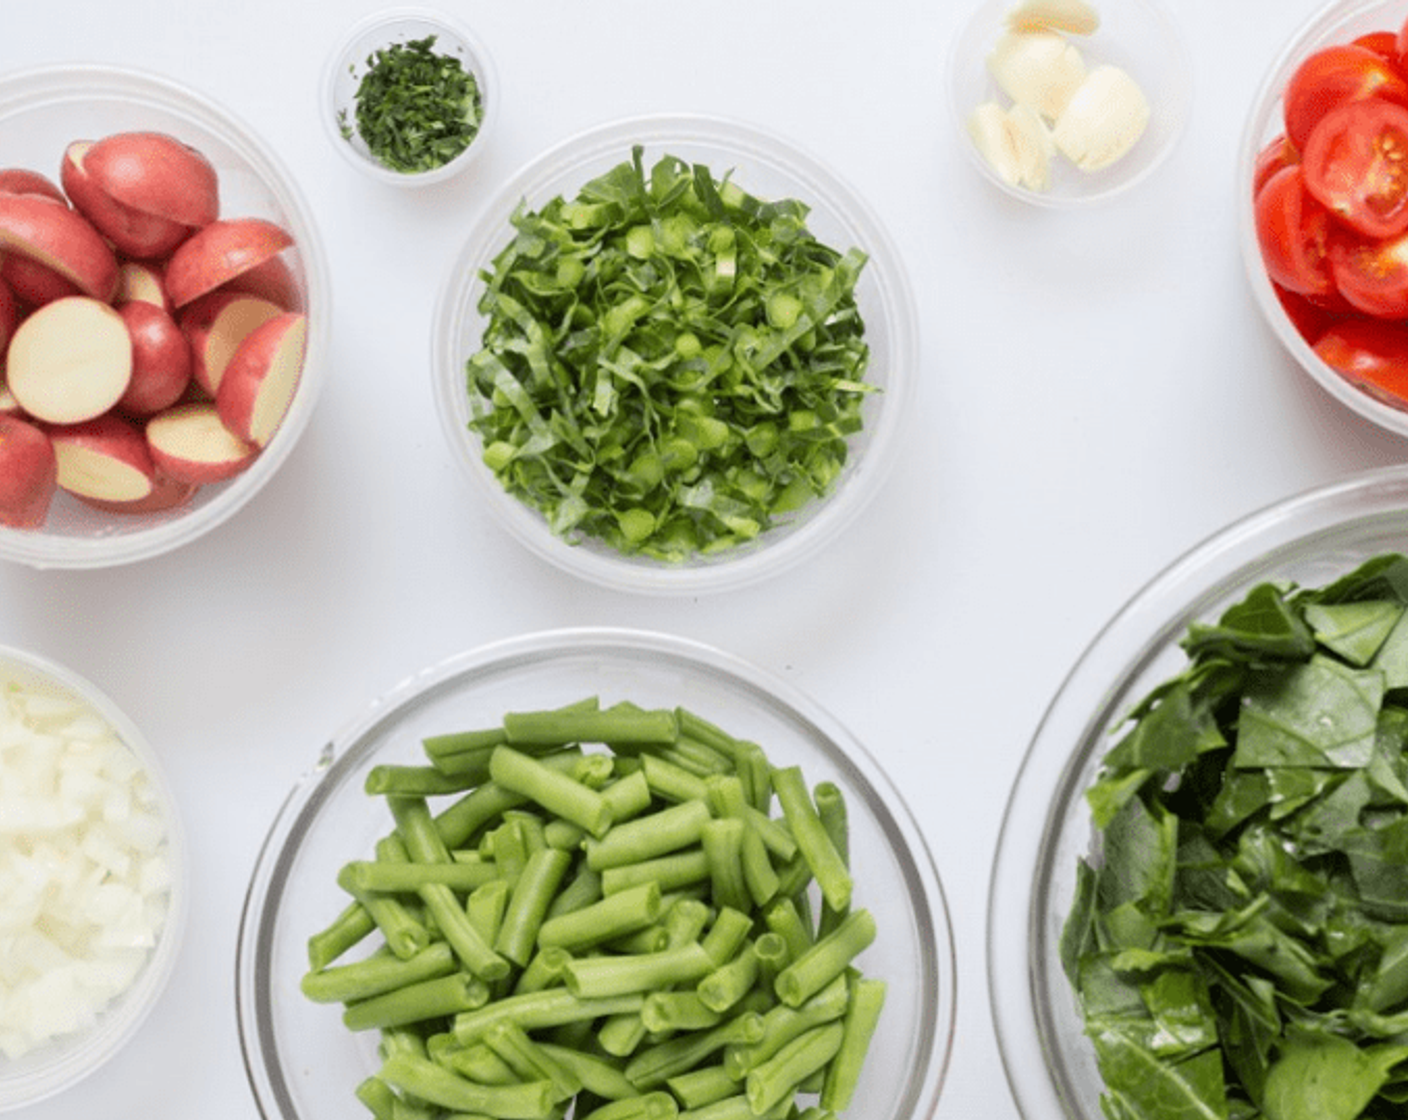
x: 1199, y: 902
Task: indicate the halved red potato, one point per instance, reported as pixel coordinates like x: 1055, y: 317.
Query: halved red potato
x: 9, y: 314
x: 35, y: 284
x: 106, y: 458
x: 166, y: 494
x: 70, y: 360
x: 215, y: 324
x: 22, y: 180
x: 29, y: 473
x: 161, y: 359
x: 156, y: 174
x: 141, y: 280
x: 218, y: 253
x: 273, y: 280
x: 60, y: 238
x: 262, y: 377
x: 134, y: 232
x: 190, y: 443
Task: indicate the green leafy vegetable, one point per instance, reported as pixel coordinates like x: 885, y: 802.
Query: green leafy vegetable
x: 669, y: 364
x: 416, y: 109
x: 1238, y: 941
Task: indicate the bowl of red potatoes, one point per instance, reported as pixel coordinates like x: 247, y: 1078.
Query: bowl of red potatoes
x: 1323, y: 185
x: 163, y: 314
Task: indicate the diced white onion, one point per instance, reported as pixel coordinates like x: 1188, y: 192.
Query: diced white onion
x: 84, y: 875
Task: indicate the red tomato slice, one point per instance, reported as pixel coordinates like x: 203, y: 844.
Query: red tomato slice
x: 1356, y: 164
x: 1371, y: 353
x: 1277, y: 154
x: 1294, y: 232
x: 1308, y: 319
x: 1382, y: 43
x: 1372, y: 275
x: 1333, y: 76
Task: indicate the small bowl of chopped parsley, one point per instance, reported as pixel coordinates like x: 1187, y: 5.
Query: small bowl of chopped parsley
x: 411, y: 95
x: 1200, y: 896
x: 676, y: 355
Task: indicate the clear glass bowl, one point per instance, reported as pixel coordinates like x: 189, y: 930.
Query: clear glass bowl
x: 67, y: 1059
x: 41, y: 110
x: 1335, y: 22
x: 348, y: 64
x: 1310, y: 538
x: 303, y: 1064
x: 769, y: 168
x: 1141, y: 36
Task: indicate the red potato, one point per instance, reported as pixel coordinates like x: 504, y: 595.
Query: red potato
x: 133, y: 232
x: 106, y: 458
x: 70, y: 360
x: 218, y: 253
x: 9, y: 314
x: 35, y: 284
x: 8, y: 405
x: 157, y: 174
x: 190, y: 443
x: 166, y: 494
x: 29, y: 473
x: 260, y: 381
x: 63, y: 239
x: 161, y: 359
x: 215, y: 325
x: 141, y: 280
x: 21, y: 180
x: 273, y: 280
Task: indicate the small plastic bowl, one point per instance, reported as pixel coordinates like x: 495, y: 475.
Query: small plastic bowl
x: 41, y: 111
x: 350, y: 61
x: 1310, y: 539
x: 1141, y: 36
x: 771, y: 169
x: 1335, y: 23
x: 68, y: 1058
x: 303, y: 1064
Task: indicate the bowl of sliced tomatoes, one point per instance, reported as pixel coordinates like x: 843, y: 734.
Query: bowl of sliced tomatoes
x: 1324, y: 203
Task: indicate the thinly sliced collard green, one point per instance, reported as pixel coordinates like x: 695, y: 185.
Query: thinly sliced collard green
x: 1238, y: 942
x: 669, y: 364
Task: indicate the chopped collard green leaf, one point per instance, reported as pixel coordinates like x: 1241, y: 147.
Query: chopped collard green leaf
x: 416, y: 109
x: 669, y: 365
x: 1239, y: 942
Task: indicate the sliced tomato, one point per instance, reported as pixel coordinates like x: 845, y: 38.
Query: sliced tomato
x: 1356, y: 164
x: 1294, y: 231
x: 1371, y: 353
x: 1372, y: 275
x: 1333, y: 76
x: 1277, y: 154
x: 1382, y: 43
x: 1309, y: 319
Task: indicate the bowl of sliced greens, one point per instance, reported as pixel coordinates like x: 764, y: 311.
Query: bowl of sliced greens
x: 595, y: 869
x: 1198, y: 899
x: 675, y: 354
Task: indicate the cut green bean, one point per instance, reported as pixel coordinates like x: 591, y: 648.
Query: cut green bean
x: 826, y: 863
x: 381, y: 972
x: 648, y: 1106
x: 554, y: 791
x: 649, y: 836
x: 736, y: 1108
x: 597, y: 1074
x: 380, y: 876
x: 528, y: 904
x: 352, y: 924
x: 727, y: 935
x: 862, y: 1017
x: 422, y: 781
x: 423, y: 1078
x: 670, y: 782
x: 404, y: 933
x: 657, y: 1064
x: 731, y: 981
x: 770, y: 951
x: 696, y: 757
x: 677, y: 1011
x: 628, y: 797
x: 551, y: 1007
x: 469, y: 944
x: 378, y: 1096
x: 722, y: 841
x: 605, y: 977
x: 670, y: 872
x: 785, y: 919
x: 485, y: 909
x: 781, y: 1024
x: 426, y: 999
x: 544, y: 970
x: 582, y: 889
x: 529, y: 1061
x: 617, y: 726
x: 774, y: 1080
x: 827, y: 959
x: 479, y: 1063
x: 621, y: 1035
x: 615, y: 915
x: 702, y: 1085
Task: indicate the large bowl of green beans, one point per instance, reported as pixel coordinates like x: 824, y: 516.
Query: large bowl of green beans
x: 595, y: 873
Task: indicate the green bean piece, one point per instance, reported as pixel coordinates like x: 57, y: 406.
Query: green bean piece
x: 425, y: 999
x: 670, y: 872
x: 621, y: 1035
x: 583, y: 889
x: 694, y: 726
x: 722, y: 841
x: 478, y: 743
x: 459, y: 821
x: 755, y: 771
x: 858, y: 1027
x: 649, y: 836
x: 629, y: 796
x: 775, y: 1079
x: 469, y: 944
x: 737, y: 1108
x: 827, y: 959
x: 698, y: 758
x: 832, y: 811
x: 404, y: 933
x: 378, y: 1096
x: 648, y: 1106
x: 544, y: 970
x: 528, y: 1060
x: 401, y: 1040
x: 826, y: 863
x: 657, y: 1064
x: 554, y: 791
x: 771, y: 953
x: 730, y: 982
x: 604, y: 977
x: 551, y: 1007
x: 352, y: 924
x: 620, y: 725
x: 485, y: 909
x: 421, y: 781
x: 597, y: 1074
x: 785, y: 919
x: 383, y: 971
x: 677, y: 1011
x: 651, y: 939
x: 563, y: 835
x: 781, y: 1024
x: 434, y: 1083
x: 528, y: 904
x: 727, y: 935
x: 417, y: 829
x: 613, y: 916
x: 686, y: 920
x: 670, y: 782
x: 480, y: 1063
x: 379, y: 876
x: 506, y: 846
x: 702, y: 1085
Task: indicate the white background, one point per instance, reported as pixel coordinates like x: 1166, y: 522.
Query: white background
x: 1098, y: 394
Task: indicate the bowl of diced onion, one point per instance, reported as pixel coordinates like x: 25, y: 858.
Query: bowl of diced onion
x: 92, y: 889
x: 314, y: 1047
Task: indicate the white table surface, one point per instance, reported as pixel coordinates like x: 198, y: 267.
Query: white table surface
x: 1098, y: 394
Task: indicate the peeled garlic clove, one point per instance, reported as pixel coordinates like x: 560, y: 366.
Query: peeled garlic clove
x: 1105, y: 117
x: 1074, y: 17
x: 1034, y: 145
x: 1038, y: 68
x: 995, y: 140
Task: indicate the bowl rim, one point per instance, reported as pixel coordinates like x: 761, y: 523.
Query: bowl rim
x: 1073, y: 725
x: 903, y: 835
x: 81, y: 1055
x: 886, y: 269
x: 38, y: 549
x: 1267, y: 97
x: 485, y: 74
